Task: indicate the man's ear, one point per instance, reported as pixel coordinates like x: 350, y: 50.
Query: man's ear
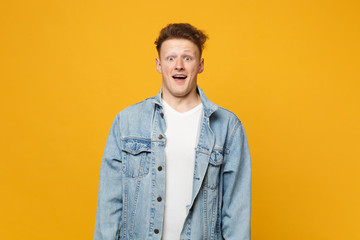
x: 158, y: 65
x: 201, y: 66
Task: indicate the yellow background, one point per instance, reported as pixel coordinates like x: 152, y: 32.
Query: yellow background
x: 288, y: 69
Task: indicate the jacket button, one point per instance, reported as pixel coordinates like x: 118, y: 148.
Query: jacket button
x: 162, y: 115
x: 156, y: 231
x: 159, y: 168
x: 160, y: 136
x: 159, y: 199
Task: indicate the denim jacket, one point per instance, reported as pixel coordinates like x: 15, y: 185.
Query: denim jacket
x: 132, y: 176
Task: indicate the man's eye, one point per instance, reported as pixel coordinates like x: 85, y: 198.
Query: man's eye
x: 187, y: 58
x: 170, y: 58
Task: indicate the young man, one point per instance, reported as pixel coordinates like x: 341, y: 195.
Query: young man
x: 175, y: 166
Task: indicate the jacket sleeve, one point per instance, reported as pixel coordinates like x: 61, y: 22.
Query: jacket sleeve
x: 109, y: 206
x: 236, y: 208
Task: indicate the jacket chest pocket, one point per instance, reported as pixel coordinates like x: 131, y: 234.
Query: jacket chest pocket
x: 213, y: 172
x: 136, y: 157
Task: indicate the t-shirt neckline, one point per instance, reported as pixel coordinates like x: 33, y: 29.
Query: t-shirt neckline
x: 194, y: 109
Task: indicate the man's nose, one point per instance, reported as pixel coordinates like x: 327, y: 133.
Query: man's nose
x: 179, y: 64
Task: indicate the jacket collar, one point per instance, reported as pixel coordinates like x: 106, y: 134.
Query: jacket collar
x: 209, y: 107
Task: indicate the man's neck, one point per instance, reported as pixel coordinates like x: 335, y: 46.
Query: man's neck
x: 182, y: 104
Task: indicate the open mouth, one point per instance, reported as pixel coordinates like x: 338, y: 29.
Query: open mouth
x: 179, y: 77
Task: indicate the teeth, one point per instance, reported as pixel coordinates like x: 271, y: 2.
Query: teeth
x: 180, y: 76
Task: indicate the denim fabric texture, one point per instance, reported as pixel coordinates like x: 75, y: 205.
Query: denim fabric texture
x: 132, y: 176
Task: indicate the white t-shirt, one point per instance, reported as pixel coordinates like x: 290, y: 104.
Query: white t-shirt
x: 182, y: 133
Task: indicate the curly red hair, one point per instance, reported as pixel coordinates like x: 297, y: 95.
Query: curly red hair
x: 182, y: 31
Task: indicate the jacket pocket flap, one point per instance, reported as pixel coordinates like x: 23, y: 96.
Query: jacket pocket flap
x: 136, y: 146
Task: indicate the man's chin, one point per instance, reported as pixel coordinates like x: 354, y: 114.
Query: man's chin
x: 179, y: 93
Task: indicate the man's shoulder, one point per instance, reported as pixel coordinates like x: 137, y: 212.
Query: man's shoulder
x: 222, y: 114
x: 136, y: 119
x: 216, y: 112
x: 145, y: 106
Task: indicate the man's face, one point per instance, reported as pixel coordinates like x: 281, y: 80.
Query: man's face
x: 179, y: 65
